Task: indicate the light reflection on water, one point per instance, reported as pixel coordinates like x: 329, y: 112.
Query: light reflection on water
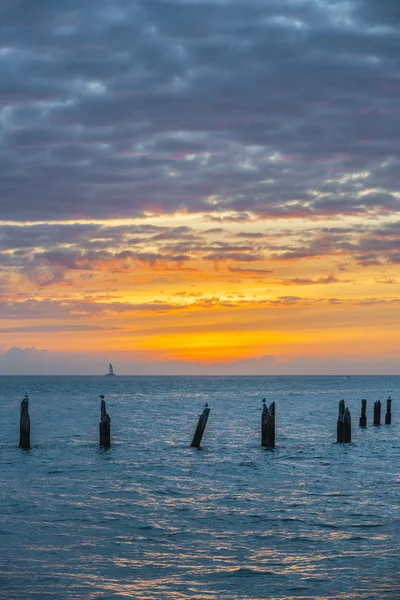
x: 152, y: 518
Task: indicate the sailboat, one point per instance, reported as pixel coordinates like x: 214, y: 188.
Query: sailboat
x: 110, y: 371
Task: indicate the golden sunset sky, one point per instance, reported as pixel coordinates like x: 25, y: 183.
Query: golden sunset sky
x: 199, y: 187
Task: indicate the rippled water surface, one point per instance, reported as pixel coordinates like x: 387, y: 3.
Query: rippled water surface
x: 152, y: 518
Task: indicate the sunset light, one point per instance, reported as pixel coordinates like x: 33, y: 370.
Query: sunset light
x: 199, y: 299
x: 150, y: 222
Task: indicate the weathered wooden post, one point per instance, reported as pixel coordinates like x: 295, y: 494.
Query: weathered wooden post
x: 271, y: 425
x: 268, y: 425
x: 343, y: 424
x: 201, y: 425
x: 388, y: 416
x: 340, y: 422
x: 346, y: 426
x: 25, y: 425
x: 363, y: 418
x: 105, y: 422
x: 264, y: 425
x: 377, y: 412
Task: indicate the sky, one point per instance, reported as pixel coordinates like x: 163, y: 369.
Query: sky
x: 199, y: 186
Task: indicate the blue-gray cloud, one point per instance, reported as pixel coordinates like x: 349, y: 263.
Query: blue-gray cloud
x: 116, y: 108
x: 47, y: 253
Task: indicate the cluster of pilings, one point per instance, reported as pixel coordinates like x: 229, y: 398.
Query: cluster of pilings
x: 377, y: 412
x: 267, y: 423
x: 267, y: 426
x: 344, y: 418
x: 25, y: 425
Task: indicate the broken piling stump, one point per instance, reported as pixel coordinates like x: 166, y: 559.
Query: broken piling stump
x: 264, y: 423
x: 271, y: 425
x: 347, y: 426
x: 343, y: 424
x: 339, y: 432
x: 25, y: 425
x: 377, y: 412
x: 201, y: 425
x: 363, y: 418
x: 105, y: 422
x: 268, y: 425
x: 388, y: 416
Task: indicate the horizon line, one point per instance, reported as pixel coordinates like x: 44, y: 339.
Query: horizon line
x: 206, y: 375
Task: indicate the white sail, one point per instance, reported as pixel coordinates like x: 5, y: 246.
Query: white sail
x: 110, y: 370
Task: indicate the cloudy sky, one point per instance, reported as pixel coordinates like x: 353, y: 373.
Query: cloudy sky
x: 199, y: 186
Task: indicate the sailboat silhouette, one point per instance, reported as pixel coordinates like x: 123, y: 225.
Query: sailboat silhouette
x: 110, y: 371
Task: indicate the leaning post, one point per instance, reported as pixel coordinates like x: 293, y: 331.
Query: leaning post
x: 388, y: 416
x: 25, y: 425
x: 377, y: 412
x: 363, y: 418
x: 105, y: 423
x: 201, y: 425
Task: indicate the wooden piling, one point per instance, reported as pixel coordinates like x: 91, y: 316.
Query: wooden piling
x: 377, y: 412
x: 25, y: 425
x: 343, y: 424
x: 346, y: 426
x: 201, y: 425
x: 340, y: 422
x: 264, y: 425
x: 105, y: 423
x: 268, y: 425
x: 388, y: 416
x: 271, y: 425
x: 363, y: 418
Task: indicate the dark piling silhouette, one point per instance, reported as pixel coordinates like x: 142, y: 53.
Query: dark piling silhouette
x: 25, y: 425
x: 388, y: 416
x: 377, y: 412
x: 264, y: 424
x: 347, y: 426
x: 363, y: 418
x: 271, y: 425
x: 343, y: 424
x: 201, y: 425
x: 268, y: 425
x: 105, y: 426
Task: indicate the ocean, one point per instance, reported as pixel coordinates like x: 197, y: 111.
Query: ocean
x: 152, y: 518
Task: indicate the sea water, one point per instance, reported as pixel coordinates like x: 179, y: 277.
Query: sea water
x: 152, y: 518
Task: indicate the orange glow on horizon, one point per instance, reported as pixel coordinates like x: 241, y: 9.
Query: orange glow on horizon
x: 197, y: 291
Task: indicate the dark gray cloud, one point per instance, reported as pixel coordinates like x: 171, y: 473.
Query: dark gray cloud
x: 116, y: 108
x: 47, y: 253
x: 367, y: 246
x: 385, y: 13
